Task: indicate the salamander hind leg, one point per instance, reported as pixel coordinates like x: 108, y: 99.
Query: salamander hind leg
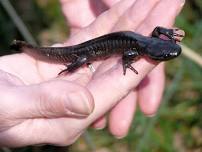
x: 75, y: 65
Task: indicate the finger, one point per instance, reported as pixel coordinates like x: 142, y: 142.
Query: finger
x: 100, y: 123
x: 121, y: 115
x: 88, y: 11
x: 129, y: 20
x: 71, y: 7
x: 53, y: 99
x: 116, y: 85
x: 162, y: 15
x: 125, y: 111
x: 150, y: 91
x: 154, y: 83
x: 102, y: 24
x: 91, y: 8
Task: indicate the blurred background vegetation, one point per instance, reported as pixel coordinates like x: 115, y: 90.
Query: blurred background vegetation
x: 178, y: 125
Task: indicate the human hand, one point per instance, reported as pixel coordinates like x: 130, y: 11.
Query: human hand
x: 124, y: 15
x: 33, y: 110
x: 44, y: 111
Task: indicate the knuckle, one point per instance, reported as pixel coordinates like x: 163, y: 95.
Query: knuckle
x: 61, y: 100
x: 50, y: 103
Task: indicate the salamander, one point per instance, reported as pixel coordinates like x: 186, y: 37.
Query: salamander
x: 127, y: 44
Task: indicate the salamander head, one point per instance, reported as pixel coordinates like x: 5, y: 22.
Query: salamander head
x: 162, y: 50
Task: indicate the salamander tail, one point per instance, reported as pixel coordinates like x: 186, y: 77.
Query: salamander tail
x: 19, y: 45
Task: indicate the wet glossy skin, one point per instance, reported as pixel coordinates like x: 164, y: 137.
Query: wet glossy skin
x: 125, y: 43
x: 162, y: 50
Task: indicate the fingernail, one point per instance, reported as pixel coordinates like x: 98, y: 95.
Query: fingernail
x: 182, y: 3
x: 99, y: 127
x: 120, y: 137
x: 79, y: 104
x: 152, y: 115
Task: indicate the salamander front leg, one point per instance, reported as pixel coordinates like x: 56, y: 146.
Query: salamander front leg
x: 75, y: 65
x: 175, y: 35
x: 127, y: 60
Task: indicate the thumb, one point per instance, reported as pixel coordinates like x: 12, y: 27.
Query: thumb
x: 52, y: 99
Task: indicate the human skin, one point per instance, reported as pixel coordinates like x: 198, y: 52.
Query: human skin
x: 39, y: 107
x: 149, y: 92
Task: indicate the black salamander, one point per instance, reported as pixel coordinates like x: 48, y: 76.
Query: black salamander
x: 127, y: 44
